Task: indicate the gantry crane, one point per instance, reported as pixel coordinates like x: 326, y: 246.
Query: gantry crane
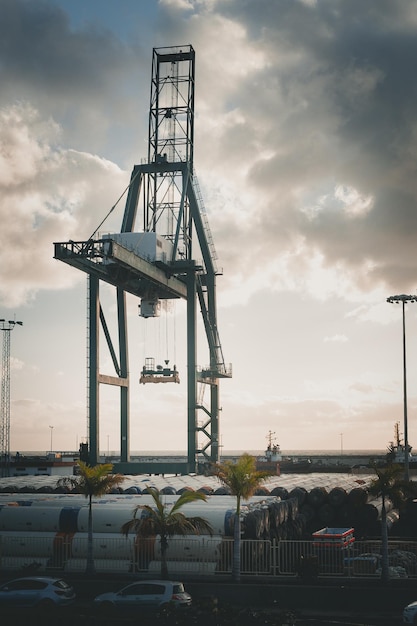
x: 171, y: 257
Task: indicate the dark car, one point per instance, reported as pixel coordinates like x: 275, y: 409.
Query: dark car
x: 36, y: 591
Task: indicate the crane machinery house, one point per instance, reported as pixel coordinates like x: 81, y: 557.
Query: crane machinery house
x: 148, y: 245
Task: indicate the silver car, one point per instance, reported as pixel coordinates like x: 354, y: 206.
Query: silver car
x: 36, y: 591
x: 410, y: 613
x: 145, y: 594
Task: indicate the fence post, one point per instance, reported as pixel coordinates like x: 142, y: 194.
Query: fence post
x: 274, y: 556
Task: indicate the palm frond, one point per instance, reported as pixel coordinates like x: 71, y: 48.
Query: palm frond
x: 92, y: 481
x: 166, y: 521
x: 389, y: 483
x: 186, y: 497
x: 241, y: 477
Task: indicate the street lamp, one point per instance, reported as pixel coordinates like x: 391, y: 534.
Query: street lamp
x: 52, y: 430
x: 402, y: 299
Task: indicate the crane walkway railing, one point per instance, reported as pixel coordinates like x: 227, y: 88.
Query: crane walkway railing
x: 221, y: 369
x: 204, y: 218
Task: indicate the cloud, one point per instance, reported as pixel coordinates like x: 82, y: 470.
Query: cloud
x: 30, y: 432
x: 305, y: 147
x: 336, y: 339
x: 307, y: 122
x: 86, y: 78
x: 305, y: 128
x: 42, y: 53
x: 16, y: 364
x: 47, y: 194
x: 362, y: 387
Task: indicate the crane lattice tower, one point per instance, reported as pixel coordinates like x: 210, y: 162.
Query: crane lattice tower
x: 6, y: 327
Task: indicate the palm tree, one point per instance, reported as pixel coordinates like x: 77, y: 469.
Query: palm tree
x: 166, y: 521
x: 243, y: 479
x: 388, y: 485
x: 92, y: 482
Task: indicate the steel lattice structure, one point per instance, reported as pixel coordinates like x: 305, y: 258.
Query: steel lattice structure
x: 6, y: 327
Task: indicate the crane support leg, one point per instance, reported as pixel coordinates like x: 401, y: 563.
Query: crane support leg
x: 93, y: 369
x: 192, y: 366
x: 214, y: 403
x: 124, y: 390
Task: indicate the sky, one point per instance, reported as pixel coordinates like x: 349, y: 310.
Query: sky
x: 305, y: 149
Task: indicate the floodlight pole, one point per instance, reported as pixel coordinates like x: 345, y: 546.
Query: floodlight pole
x: 7, y: 326
x: 397, y: 300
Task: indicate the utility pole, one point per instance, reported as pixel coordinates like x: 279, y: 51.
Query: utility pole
x: 7, y: 327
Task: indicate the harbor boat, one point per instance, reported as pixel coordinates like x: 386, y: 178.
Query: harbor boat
x: 274, y: 462
x: 271, y: 461
x: 397, y: 450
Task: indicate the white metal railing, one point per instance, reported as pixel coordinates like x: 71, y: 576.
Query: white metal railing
x: 203, y: 556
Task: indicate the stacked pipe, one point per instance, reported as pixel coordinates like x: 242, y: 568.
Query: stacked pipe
x: 267, y: 517
x: 134, y: 485
x: 340, y: 508
x: 51, y: 529
x: 286, y: 508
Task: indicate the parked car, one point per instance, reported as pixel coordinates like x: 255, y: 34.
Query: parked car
x: 410, y: 613
x: 145, y: 594
x: 36, y: 591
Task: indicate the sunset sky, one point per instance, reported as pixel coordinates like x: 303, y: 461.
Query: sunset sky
x: 306, y: 153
